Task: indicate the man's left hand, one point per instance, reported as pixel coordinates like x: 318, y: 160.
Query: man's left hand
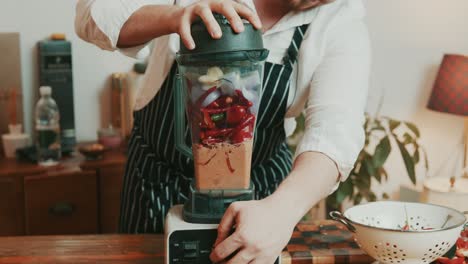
x: 262, y: 230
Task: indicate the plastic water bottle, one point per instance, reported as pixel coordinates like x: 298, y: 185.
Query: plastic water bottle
x: 47, y: 129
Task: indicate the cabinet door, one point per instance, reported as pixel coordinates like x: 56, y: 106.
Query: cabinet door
x: 11, y: 209
x: 111, y: 181
x: 61, y: 204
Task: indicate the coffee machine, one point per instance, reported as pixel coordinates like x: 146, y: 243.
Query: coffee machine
x: 217, y: 95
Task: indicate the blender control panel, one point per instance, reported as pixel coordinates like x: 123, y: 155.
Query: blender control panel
x: 192, y: 246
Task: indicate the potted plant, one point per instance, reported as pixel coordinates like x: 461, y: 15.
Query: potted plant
x: 383, y: 134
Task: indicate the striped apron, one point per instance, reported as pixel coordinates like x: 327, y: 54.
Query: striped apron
x: 158, y: 176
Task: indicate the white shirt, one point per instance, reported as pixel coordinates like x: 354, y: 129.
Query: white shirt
x: 329, y: 81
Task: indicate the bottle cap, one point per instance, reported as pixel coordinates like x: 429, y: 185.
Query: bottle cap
x: 45, y: 90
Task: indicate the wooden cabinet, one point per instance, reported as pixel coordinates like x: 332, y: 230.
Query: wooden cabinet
x: 110, y: 189
x: 69, y: 208
x: 11, y: 219
x: 77, y: 197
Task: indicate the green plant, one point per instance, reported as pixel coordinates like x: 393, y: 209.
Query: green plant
x: 382, y: 135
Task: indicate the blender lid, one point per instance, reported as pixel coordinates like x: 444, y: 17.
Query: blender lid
x: 245, y: 45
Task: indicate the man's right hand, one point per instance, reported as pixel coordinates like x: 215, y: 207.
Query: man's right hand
x: 204, y: 9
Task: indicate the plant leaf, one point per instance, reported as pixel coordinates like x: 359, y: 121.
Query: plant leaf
x: 408, y: 160
x: 345, y: 190
x: 366, y: 123
x: 382, y: 151
x: 357, y: 199
x: 426, y: 163
x: 370, y: 167
x: 371, y: 197
x: 393, y: 124
x: 416, y: 156
x: 413, y: 128
x: 407, y: 139
x: 385, y: 196
x: 383, y: 172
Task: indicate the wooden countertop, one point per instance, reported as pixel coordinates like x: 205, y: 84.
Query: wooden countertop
x: 72, y: 163
x: 317, y: 242
x: 83, y: 249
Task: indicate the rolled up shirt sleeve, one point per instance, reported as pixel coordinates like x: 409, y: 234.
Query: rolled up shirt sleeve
x: 100, y: 22
x: 337, y: 98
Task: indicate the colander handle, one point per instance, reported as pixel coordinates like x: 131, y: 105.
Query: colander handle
x: 339, y: 217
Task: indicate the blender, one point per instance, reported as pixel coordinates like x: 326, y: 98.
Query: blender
x: 217, y: 94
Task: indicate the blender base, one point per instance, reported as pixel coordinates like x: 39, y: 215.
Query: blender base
x: 188, y: 243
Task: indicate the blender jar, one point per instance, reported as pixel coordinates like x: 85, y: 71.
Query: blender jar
x: 220, y: 85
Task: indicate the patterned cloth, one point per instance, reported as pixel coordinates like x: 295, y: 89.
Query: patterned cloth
x: 450, y: 92
x: 323, y: 242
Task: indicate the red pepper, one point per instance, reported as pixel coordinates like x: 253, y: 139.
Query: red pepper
x: 218, y: 132
x: 444, y: 260
x: 243, y: 100
x: 207, y: 122
x: 241, y: 136
x: 462, y: 243
x: 211, y: 141
x: 464, y: 233
x: 202, y: 135
x: 215, y: 111
x: 213, y: 105
x: 223, y: 101
x: 248, y: 120
x: 235, y: 114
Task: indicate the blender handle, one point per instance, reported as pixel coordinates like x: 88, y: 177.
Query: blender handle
x: 180, y: 114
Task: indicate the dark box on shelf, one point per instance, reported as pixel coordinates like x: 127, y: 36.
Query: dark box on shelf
x: 55, y: 70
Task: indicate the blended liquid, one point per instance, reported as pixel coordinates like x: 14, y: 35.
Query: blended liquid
x: 223, y: 165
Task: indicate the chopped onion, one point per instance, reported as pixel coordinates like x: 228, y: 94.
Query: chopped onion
x: 230, y: 82
x: 211, y: 98
x: 251, y: 81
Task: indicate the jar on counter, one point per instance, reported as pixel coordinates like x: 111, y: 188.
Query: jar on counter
x: 110, y: 137
x: 449, y: 192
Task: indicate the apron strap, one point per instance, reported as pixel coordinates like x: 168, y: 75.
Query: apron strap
x: 293, y: 50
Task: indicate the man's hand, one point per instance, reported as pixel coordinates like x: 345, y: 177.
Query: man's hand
x: 153, y: 21
x: 262, y: 230
x: 204, y: 9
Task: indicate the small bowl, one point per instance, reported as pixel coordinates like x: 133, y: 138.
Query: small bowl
x: 92, y: 151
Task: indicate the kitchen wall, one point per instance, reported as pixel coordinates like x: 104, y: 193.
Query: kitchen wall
x: 409, y: 39
x: 36, y: 20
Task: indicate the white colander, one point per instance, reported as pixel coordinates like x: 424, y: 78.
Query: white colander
x: 378, y: 229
